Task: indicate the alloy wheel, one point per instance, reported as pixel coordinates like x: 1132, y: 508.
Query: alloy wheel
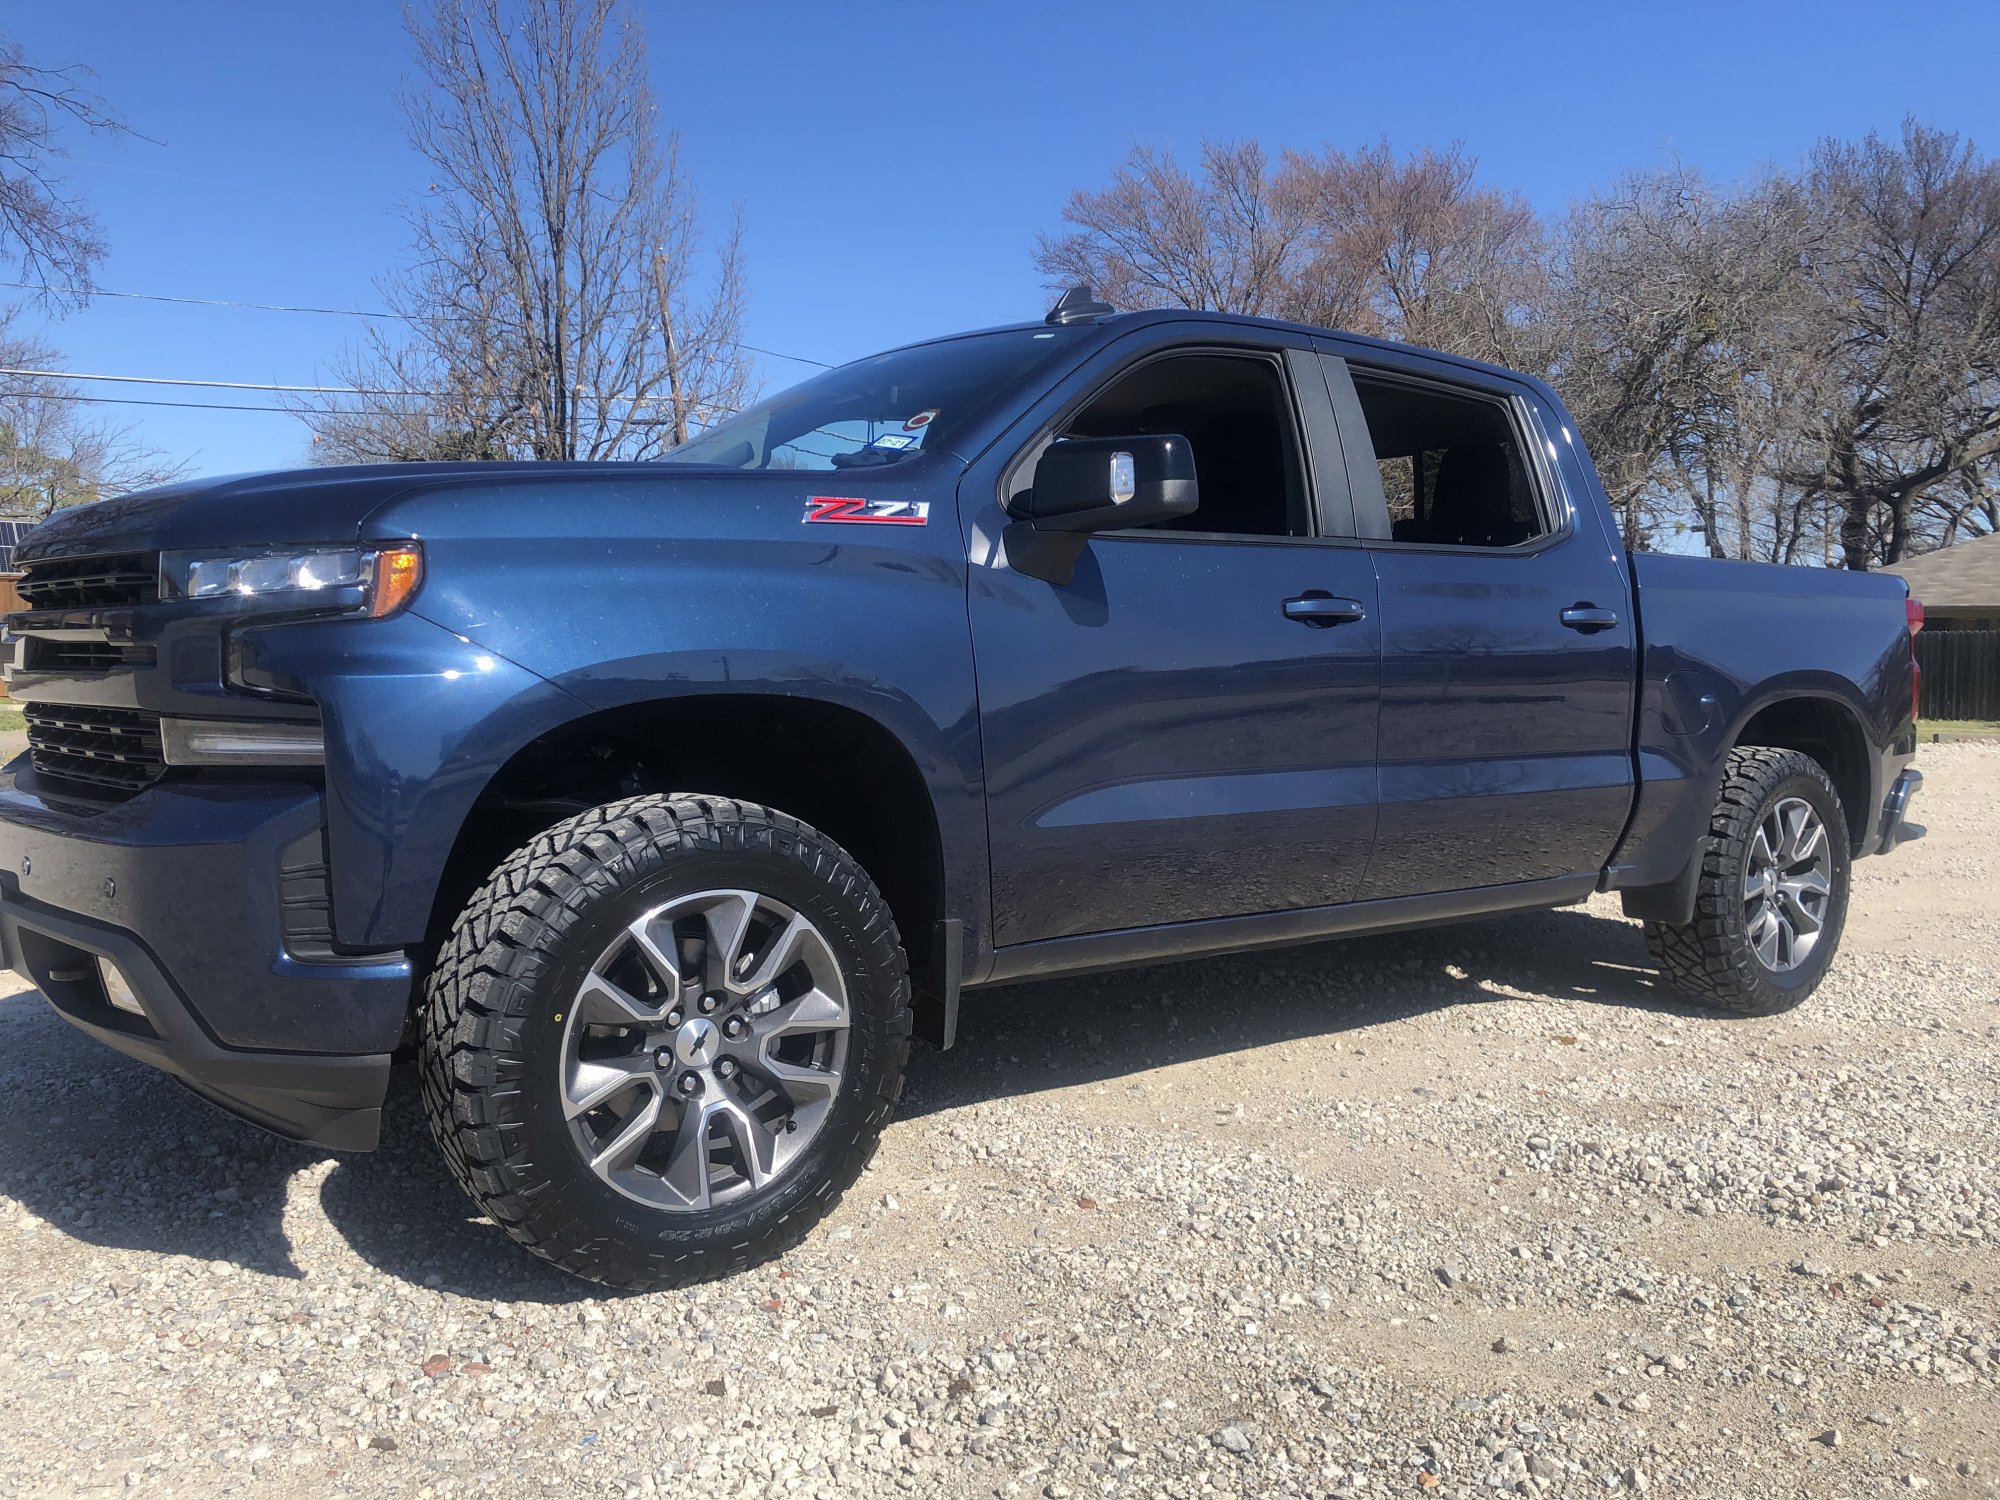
x: 704, y: 1050
x: 1787, y: 884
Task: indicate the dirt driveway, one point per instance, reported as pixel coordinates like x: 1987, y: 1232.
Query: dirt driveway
x: 1460, y: 1211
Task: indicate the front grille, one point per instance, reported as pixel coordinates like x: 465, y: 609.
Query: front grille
x: 116, y: 748
x: 92, y: 582
x: 40, y: 654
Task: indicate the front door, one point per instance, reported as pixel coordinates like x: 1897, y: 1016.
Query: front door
x: 1186, y: 729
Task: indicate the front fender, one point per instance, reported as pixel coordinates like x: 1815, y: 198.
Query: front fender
x: 418, y: 719
x: 632, y: 584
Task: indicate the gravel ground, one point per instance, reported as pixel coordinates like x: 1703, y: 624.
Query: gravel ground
x: 1460, y: 1211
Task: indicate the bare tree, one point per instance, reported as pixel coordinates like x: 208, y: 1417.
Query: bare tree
x: 1804, y: 367
x: 50, y: 236
x: 53, y: 453
x: 1905, y: 338
x: 555, y: 306
x: 1438, y: 259
x: 1231, y: 240
x: 1408, y: 247
x: 1662, y: 324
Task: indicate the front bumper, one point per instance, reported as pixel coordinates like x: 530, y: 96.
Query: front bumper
x: 202, y: 894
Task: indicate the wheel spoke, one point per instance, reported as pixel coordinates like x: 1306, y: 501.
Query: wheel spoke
x: 755, y: 1146
x: 623, y: 1149
x: 815, y: 1010
x: 801, y: 1085
x: 660, y: 958
x: 1755, y: 864
x: 597, y: 1082
x: 1786, y: 820
x: 687, y: 1170
x: 1810, y: 882
x: 1797, y: 916
x: 599, y: 1002
x: 1810, y: 846
x: 779, y: 956
x: 1763, y: 935
x: 726, y: 918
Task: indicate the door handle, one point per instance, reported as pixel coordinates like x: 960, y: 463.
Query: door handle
x: 1588, y: 618
x: 1320, y: 609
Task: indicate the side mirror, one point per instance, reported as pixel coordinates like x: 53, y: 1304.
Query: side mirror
x: 1086, y: 485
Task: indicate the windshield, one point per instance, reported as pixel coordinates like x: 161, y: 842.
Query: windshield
x: 886, y: 409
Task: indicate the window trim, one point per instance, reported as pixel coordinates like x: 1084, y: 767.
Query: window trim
x: 1272, y: 355
x: 1551, y: 500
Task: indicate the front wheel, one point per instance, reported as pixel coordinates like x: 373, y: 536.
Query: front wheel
x: 665, y: 1037
x: 1772, y: 898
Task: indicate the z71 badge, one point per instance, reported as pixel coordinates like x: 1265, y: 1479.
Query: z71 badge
x: 868, y: 512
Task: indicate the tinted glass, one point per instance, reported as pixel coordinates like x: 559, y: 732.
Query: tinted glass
x: 1234, y: 413
x: 887, y: 409
x: 1452, y: 469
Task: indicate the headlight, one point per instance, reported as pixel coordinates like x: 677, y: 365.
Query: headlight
x: 370, y: 581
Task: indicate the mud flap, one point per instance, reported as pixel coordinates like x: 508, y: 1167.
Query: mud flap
x: 934, y: 989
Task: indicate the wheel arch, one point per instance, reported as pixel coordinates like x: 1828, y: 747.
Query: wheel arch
x: 842, y: 770
x: 1828, y: 729
x: 1814, y: 718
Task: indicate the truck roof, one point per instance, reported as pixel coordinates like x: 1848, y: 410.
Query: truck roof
x: 1125, y: 322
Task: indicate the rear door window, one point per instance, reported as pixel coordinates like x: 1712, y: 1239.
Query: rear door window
x: 1452, y: 467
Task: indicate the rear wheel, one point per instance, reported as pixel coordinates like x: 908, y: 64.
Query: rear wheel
x: 665, y: 1038
x: 1772, y: 898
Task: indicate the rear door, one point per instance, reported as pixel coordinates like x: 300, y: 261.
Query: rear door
x: 1505, y: 739
x: 1186, y: 729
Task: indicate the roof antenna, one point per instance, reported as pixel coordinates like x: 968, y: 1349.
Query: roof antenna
x: 1078, y: 305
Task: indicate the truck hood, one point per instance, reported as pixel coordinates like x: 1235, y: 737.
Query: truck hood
x: 288, y: 508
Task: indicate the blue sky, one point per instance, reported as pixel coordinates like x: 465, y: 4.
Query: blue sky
x: 894, y: 163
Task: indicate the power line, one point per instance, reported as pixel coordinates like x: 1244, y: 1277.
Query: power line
x: 337, y: 312
x: 340, y: 312
x: 283, y: 411
x: 135, y: 401
x: 223, y: 385
x: 251, y: 385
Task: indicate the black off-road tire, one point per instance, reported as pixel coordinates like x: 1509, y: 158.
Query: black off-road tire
x: 1711, y: 959
x: 490, y: 1037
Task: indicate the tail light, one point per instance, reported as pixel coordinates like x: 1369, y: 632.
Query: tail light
x: 1913, y: 611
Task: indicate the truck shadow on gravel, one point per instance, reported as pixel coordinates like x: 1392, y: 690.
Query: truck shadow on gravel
x: 110, y: 1153
x: 1023, y: 1038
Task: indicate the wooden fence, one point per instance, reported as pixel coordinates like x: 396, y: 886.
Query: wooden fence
x: 1961, y: 674
x: 10, y: 600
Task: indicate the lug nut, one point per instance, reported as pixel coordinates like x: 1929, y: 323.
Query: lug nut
x: 726, y: 1068
x: 675, y: 1017
x: 734, y: 1027
x: 708, y: 1003
x: 663, y: 1058
x: 690, y: 1083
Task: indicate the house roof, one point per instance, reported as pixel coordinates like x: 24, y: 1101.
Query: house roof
x: 1965, y: 575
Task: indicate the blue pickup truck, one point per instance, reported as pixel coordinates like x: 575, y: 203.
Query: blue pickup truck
x: 655, y: 808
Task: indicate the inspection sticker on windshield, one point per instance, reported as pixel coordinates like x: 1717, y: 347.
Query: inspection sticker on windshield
x: 852, y: 512
x: 896, y: 442
x: 921, y: 419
